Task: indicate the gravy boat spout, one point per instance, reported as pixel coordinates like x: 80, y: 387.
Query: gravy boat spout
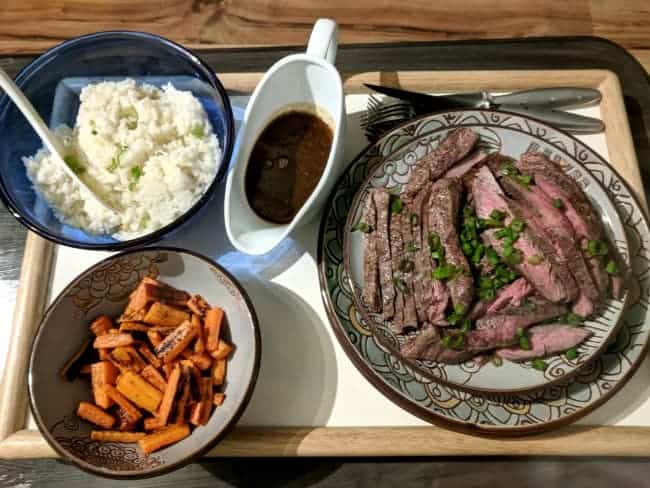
x: 306, y: 81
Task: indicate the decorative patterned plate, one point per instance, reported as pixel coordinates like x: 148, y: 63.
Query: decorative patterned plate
x: 563, y: 402
x: 511, y: 136
x: 104, y: 289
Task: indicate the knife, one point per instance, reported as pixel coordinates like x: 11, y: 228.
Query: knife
x: 541, y: 103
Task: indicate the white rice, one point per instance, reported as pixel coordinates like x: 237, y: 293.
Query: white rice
x: 149, y: 152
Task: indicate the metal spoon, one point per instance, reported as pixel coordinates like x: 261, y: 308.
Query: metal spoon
x: 49, y: 140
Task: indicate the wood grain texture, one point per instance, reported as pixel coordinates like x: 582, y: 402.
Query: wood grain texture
x: 34, y: 25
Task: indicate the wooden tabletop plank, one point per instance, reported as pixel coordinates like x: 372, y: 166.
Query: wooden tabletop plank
x: 31, y: 26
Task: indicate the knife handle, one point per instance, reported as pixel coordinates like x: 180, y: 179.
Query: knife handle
x: 576, y: 124
x: 550, y: 98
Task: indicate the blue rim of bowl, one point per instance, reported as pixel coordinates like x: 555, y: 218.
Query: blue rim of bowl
x: 207, y: 195
x: 227, y: 428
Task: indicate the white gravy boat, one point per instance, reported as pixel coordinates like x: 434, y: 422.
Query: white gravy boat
x: 296, y: 81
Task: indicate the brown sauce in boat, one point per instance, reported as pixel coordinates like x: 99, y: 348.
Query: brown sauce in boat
x: 286, y: 164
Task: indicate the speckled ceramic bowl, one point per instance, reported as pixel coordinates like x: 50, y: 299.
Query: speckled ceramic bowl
x: 104, y: 289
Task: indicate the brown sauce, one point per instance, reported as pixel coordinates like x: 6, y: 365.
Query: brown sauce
x: 286, y: 164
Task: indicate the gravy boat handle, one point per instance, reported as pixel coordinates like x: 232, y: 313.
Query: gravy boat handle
x: 322, y: 41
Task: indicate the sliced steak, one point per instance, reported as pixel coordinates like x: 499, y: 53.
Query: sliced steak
x: 436, y: 294
x: 547, y: 276
x: 452, y: 149
x: 371, y: 289
x: 427, y: 346
x: 382, y: 204
x: 464, y: 166
x: 511, y: 295
x: 421, y: 285
x: 408, y: 271
x: 443, y: 218
x: 584, y: 219
x: 546, y: 340
x: 397, y: 252
x: 500, y: 329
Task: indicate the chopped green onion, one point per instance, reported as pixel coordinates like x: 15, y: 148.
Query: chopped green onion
x: 467, y: 248
x: 135, y: 174
x: 612, y: 268
x: 434, y: 241
x: 503, y: 233
x: 444, y: 271
x: 93, y: 132
x: 515, y: 258
x: 520, y: 332
x: 538, y: 364
x: 524, y: 343
x: 74, y: 164
x: 535, y: 259
x: 466, y: 325
x: 497, y: 361
x: 396, y: 204
x: 132, y: 124
x: 478, y: 253
x: 497, y: 214
x: 487, y: 294
x: 571, y: 354
x: 558, y: 203
x: 197, y: 131
x: 507, y: 251
x: 597, y: 248
x: 415, y: 219
x: 492, y: 256
x: 573, y: 319
x: 517, y: 225
x: 362, y: 227
x: 406, y: 265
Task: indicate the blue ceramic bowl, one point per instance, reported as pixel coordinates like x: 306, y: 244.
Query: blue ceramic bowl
x: 52, y: 83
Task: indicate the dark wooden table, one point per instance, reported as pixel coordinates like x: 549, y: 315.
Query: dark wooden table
x: 437, y: 472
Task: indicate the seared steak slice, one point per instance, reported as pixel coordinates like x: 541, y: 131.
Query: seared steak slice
x: 452, y: 149
x: 421, y: 285
x: 546, y: 340
x: 427, y: 346
x: 500, y: 329
x: 436, y: 294
x: 511, y: 295
x: 408, y: 270
x: 382, y: 204
x: 539, y: 264
x: 443, y: 218
x: 466, y: 165
x: 397, y: 252
x: 371, y: 290
x: 577, y: 208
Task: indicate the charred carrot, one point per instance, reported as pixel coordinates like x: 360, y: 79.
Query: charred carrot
x: 101, y: 325
x: 164, y: 315
x: 116, y: 436
x: 198, y: 305
x: 153, y: 423
x: 102, y: 373
x: 149, y: 356
x: 154, y: 337
x: 219, y: 372
x: 213, y: 319
x: 107, y: 341
x: 136, y: 389
x: 223, y: 350
x: 176, y: 342
x: 202, y: 361
x: 94, y: 414
x: 170, y: 393
x: 199, y: 345
x: 130, y: 411
x: 152, y: 375
x: 133, y: 326
x: 218, y: 399
x: 137, y: 362
x: 126, y: 422
x: 181, y: 405
x: 164, y: 437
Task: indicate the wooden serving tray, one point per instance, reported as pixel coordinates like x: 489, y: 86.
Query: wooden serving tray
x: 338, y: 435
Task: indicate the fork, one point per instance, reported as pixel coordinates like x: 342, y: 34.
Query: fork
x: 381, y: 117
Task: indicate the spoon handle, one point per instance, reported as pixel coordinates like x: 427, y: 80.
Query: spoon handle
x: 49, y: 140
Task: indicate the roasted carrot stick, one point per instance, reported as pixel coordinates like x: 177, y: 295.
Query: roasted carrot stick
x: 213, y: 320
x: 198, y: 305
x: 170, y: 393
x: 154, y: 337
x: 101, y: 325
x: 95, y: 415
x: 102, y: 373
x: 133, y: 326
x: 116, y: 436
x: 152, y: 375
x: 164, y: 315
x: 176, y: 342
x: 153, y: 423
x: 199, y: 345
x: 202, y: 361
x: 218, y: 399
x: 107, y: 341
x: 129, y: 409
x: 223, y: 350
x: 136, y: 389
x: 149, y: 356
x: 181, y: 405
x: 162, y: 438
x: 219, y: 372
